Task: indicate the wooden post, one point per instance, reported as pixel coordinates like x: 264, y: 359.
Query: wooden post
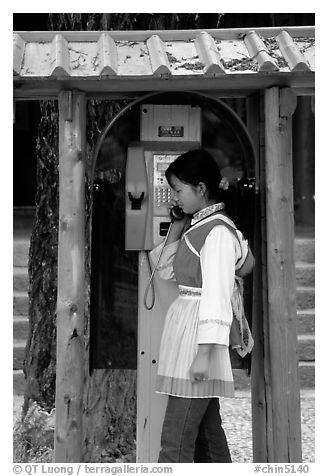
x: 304, y: 173
x: 261, y: 398
x: 70, y: 298
x: 281, y: 356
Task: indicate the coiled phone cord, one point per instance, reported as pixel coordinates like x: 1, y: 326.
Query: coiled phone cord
x: 150, y: 282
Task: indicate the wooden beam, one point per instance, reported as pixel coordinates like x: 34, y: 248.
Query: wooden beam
x: 268, y: 434
x: 281, y: 355
x: 260, y: 423
x: 70, y: 300
x: 287, y: 102
x: 168, y: 35
x: 52, y: 94
x: 234, y: 84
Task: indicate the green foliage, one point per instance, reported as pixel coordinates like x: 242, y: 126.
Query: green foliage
x: 133, y: 21
x: 33, y: 441
x: 34, y: 436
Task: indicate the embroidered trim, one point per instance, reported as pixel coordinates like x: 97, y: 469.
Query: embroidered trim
x: 205, y: 212
x: 217, y: 321
x: 208, y: 220
x: 189, y: 292
x: 192, y: 249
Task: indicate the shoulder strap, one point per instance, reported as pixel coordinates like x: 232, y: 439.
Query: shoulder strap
x: 196, y: 237
x: 190, y: 246
x: 195, y: 240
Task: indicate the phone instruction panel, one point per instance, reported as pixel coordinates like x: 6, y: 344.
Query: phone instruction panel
x: 162, y: 195
x: 162, y: 190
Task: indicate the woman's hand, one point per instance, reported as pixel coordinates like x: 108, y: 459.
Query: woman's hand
x: 199, y: 367
x: 177, y: 229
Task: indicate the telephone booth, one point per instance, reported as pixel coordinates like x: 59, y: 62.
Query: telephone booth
x: 170, y: 124
x: 230, y: 91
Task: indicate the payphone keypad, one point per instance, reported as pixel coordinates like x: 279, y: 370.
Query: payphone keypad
x: 162, y: 191
x: 163, y: 196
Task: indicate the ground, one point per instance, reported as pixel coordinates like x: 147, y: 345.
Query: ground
x: 236, y: 417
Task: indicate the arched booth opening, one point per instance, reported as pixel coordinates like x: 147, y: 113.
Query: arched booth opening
x: 153, y: 130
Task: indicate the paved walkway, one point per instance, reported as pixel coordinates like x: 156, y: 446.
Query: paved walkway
x: 237, y: 422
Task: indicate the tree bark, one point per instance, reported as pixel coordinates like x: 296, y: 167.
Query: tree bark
x: 40, y: 359
x: 109, y: 416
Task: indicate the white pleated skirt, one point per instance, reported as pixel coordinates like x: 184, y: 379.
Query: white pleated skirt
x: 179, y: 348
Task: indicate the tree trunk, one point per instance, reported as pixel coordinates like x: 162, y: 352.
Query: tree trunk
x: 40, y: 359
x: 109, y: 412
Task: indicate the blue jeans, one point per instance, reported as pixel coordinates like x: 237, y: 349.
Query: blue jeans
x: 192, y: 432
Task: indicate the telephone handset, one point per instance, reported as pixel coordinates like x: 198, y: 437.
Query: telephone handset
x: 176, y: 213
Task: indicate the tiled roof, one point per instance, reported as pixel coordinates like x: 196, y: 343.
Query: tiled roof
x: 111, y: 59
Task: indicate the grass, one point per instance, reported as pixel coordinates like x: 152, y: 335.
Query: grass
x: 33, y: 441
x: 33, y: 437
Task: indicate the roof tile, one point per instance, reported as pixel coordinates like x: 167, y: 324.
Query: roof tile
x: 169, y: 55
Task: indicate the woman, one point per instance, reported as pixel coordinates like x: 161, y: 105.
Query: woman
x: 202, y: 255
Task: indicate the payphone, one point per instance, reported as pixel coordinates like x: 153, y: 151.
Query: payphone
x: 166, y: 132
x: 148, y: 197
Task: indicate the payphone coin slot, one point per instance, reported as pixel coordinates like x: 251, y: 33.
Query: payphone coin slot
x: 164, y: 228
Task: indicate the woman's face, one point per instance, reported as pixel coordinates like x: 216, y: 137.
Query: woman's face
x: 189, y: 197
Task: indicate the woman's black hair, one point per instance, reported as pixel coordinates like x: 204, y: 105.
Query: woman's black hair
x: 197, y: 166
